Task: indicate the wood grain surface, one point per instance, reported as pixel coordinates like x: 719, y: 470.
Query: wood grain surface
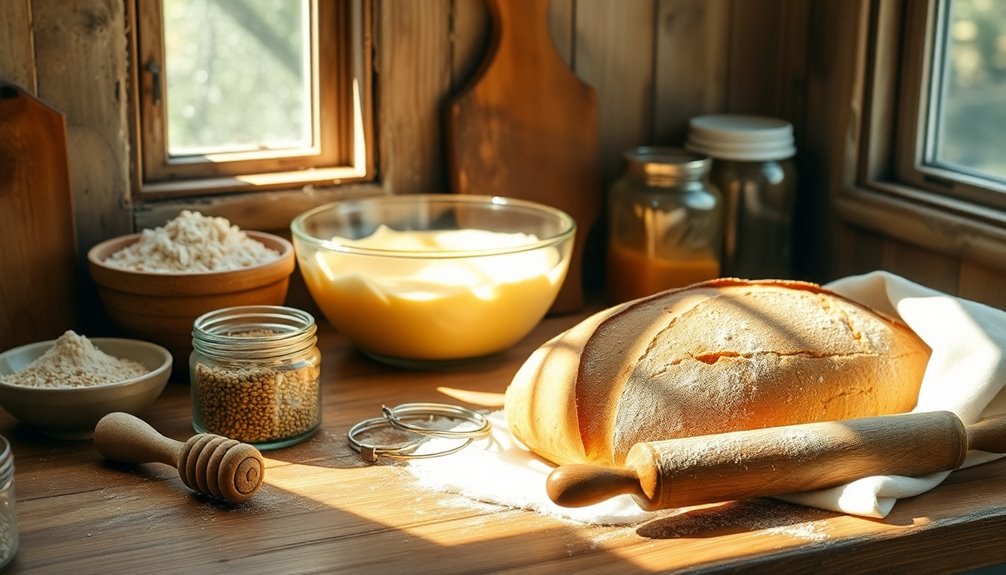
x: 323, y: 510
x: 526, y: 127
x: 38, y: 269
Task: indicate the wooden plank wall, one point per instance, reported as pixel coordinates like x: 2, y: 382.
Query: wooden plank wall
x: 72, y: 55
x: 654, y: 64
x: 17, y: 60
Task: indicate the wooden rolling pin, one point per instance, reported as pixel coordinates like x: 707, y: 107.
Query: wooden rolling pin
x: 775, y: 461
x: 210, y: 464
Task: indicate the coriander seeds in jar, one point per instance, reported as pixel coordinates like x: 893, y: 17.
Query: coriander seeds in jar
x: 664, y: 222
x: 255, y: 373
x: 8, y: 519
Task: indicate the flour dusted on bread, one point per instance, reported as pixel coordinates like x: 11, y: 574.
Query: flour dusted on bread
x: 192, y: 243
x: 74, y: 361
x: 718, y: 356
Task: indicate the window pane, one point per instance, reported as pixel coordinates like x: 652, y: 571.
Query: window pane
x: 238, y: 75
x: 969, y: 104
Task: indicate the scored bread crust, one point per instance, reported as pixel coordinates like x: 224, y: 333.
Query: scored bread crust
x: 722, y: 355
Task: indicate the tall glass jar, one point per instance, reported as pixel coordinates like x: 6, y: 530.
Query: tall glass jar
x: 664, y: 222
x: 255, y: 373
x: 753, y: 169
x: 8, y: 519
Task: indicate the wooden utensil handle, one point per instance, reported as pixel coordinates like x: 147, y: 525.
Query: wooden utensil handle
x: 988, y: 435
x: 773, y: 461
x: 128, y: 439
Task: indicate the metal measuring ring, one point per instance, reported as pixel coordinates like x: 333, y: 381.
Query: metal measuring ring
x: 371, y: 453
x: 394, y: 416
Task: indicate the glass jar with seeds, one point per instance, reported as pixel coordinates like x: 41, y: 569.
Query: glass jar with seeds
x: 8, y: 519
x: 255, y: 373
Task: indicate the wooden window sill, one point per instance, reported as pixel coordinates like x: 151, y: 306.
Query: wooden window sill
x: 957, y: 229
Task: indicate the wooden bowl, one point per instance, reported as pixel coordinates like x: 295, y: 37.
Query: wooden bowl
x: 72, y: 412
x: 160, y: 307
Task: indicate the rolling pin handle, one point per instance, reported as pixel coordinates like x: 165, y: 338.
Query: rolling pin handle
x: 579, y: 485
x: 988, y: 435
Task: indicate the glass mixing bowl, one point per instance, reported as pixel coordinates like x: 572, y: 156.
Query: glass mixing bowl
x: 429, y: 279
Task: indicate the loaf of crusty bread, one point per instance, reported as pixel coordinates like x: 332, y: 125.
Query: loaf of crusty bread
x: 722, y: 355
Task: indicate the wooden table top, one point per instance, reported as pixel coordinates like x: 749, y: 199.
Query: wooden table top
x: 323, y: 510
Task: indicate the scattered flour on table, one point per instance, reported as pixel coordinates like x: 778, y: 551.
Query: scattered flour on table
x: 192, y: 243
x: 74, y: 361
x: 760, y: 517
x: 498, y: 470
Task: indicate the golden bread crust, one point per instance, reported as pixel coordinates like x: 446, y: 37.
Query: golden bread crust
x: 717, y: 356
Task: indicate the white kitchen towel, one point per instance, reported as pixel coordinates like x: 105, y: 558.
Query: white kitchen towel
x: 966, y: 374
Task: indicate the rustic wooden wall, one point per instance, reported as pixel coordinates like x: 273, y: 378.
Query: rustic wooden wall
x: 72, y: 55
x: 654, y: 64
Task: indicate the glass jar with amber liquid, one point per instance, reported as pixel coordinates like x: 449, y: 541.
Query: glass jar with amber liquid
x: 664, y: 223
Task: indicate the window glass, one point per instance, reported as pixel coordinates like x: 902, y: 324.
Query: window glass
x: 968, y: 106
x: 238, y: 76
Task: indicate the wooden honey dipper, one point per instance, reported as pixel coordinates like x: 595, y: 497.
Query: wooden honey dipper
x: 210, y: 464
x: 775, y: 461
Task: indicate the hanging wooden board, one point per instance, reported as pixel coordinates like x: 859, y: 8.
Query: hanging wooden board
x: 38, y: 260
x: 526, y: 127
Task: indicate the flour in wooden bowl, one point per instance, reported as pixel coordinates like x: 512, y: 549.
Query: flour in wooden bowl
x: 74, y: 361
x: 192, y: 243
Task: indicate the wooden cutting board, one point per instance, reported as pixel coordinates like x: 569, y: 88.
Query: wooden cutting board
x: 526, y: 127
x: 38, y: 273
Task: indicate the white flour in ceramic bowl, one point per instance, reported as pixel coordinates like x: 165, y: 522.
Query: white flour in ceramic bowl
x: 192, y: 243
x: 74, y: 361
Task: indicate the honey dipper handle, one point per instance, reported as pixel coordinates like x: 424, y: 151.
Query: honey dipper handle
x: 126, y: 438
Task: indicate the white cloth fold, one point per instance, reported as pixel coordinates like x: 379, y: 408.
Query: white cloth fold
x: 966, y: 375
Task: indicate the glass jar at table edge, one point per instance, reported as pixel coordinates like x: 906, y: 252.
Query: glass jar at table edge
x: 754, y: 171
x: 8, y: 518
x: 255, y: 375
x: 664, y: 223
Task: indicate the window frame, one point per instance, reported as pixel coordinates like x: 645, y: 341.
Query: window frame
x: 921, y: 81
x: 886, y: 189
x: 343, y: 88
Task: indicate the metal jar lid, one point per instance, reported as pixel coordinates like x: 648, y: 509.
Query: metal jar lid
x: 741, y: 137
x: 667, y: 162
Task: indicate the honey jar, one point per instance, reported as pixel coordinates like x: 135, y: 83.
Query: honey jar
x: 255, y: 374
x: 664, y: 223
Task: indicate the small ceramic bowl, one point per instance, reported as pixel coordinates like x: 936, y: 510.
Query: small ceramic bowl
x: 72, y: 412
x: 160, y: 307
x: 428, y: 280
